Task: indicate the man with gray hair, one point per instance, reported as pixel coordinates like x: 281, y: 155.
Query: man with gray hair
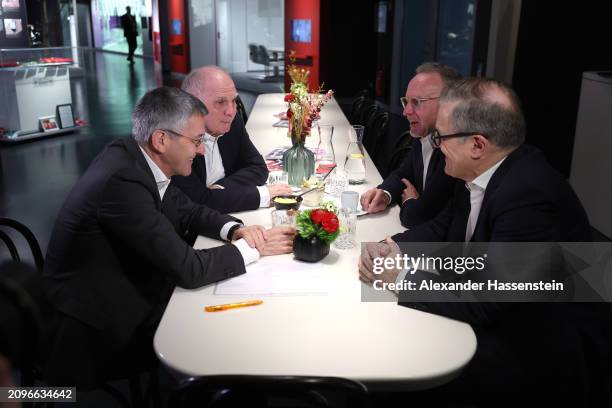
x: 231, y: 175
x: 419, y: 184
x: 118, y: 247
x: 556, y: 353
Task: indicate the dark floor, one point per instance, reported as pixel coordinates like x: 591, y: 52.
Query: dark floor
x: 36, y: 176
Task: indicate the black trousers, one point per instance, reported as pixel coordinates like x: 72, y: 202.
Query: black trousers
x: 132, y: 44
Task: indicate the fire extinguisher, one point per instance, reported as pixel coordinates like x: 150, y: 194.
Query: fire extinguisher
x: 380, y: 83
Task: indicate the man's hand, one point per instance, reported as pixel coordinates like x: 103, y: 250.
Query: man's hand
x: 374, y: 200
x: 387, y: 249
x: 279, y: 240
x: 409, y: 192
x: 278, y: 189
x: 254, y: 235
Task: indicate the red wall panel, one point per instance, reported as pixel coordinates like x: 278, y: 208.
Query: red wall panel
x: 304, y: 10
x: 179, y: 42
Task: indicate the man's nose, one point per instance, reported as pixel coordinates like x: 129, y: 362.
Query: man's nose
x: 408, y: 109
x: 231, y: 109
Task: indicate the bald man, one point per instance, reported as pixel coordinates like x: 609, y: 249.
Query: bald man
x: 231, y: 175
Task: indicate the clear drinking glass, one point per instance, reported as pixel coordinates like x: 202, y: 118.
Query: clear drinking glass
x: 347, y: 238
x: 354, y: 164
x: 337, y: 182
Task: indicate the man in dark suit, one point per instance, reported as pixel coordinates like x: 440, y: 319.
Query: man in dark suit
x: 554, y: 352
x: 419, y: 185
x: 130, y: 32
x: 117, y: 249
x: 231, y: 176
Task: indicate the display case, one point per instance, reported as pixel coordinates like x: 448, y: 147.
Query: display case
x: 35, y: 88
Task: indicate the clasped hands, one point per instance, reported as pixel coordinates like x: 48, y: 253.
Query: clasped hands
x: 376, y: 200
x: 275, y: 241
x: 373, y: 250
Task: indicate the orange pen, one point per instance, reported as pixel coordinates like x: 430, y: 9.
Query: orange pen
x: 219, y: 308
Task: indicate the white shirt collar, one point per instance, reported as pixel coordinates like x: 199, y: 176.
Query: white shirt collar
x: 427, y: 152
x: 213, y: 160
x: 160, y: 178
x: 482, y: 181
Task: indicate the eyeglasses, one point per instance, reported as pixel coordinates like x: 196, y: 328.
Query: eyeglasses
x: 197, y: 142
x: 415, y: 102
x: 436, y: 137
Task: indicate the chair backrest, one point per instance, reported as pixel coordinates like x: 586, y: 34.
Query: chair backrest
x: 361, y: 110
x: 258, y: 391
x: 263, y: 55
x: 241, y: 109
x: 254, y: 53
x: 356, y: 109
x: 29, y: 237
x: 402, y: 147
x: 377, y: 140
x: 21, y: 321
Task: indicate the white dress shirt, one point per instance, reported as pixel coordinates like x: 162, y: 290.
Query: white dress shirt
x: 215, y: 170
x: 477, y: 189
x: 249, y: 255
x: 426, y: 150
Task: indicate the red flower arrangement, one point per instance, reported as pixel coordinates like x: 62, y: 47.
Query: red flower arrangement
x: 320, y: 222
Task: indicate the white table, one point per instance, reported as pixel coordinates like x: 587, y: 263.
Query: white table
x: 386, y: 346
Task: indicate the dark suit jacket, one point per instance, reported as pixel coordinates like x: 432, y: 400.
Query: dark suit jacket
x: 117, y: 252
x: 244, y: 167
x: 554, y: 349
x: 439, y: 186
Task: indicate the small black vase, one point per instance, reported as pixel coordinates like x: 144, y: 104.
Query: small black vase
x: 309, y: 249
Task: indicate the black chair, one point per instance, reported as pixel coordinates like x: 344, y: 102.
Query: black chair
x: 401, y: 149
x: 29, y: 237
x: 21, y: 322
x: 269, y: 61
x: 34, y: 320
x: 265, y: 391
x: 364, y: 112
x: 356, y: 108
x: 254, y: 53
x: 241, y: 109
x: 378, y: 139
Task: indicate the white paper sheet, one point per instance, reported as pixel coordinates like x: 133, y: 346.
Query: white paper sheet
x: 287, y: 277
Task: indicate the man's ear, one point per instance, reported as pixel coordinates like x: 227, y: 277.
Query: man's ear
x: 480, y: 145
x: 158, y: 141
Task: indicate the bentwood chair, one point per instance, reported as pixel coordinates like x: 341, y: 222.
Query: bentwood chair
x: 265, y: 391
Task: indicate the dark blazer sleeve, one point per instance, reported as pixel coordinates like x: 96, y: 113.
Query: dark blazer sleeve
x: 244, y: 165
x: 393, y: 183
x: 438, y: 191
x: 230, y: 199
x: 138, y: 224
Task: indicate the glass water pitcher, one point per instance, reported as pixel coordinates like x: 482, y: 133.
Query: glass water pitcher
x: 354, y: 165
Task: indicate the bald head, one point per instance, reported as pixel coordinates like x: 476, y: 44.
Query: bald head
x: 213, y: 86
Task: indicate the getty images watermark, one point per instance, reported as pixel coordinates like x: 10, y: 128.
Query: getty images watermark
x: 497, y: 272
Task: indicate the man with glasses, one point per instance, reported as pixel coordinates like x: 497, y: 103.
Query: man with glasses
x: 119, y: 244
x: 419, y: 184
x: 231, y: 175
x: 557, y: 353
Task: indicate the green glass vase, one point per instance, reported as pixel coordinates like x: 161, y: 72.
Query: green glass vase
x: 298, y: 162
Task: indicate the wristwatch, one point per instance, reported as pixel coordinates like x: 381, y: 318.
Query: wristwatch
x: 230, y: 233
